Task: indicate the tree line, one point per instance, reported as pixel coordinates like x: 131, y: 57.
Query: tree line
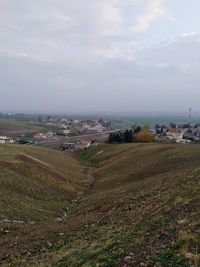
x: 137, y: 134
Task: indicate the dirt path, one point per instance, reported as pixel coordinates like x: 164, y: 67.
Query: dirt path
x: 36, y: 160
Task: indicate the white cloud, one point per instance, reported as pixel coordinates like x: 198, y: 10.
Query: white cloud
x: 187, y: 67
x: 81, y: 51
x: 154, y: 11
x: 163, y: 65
x: 106, y: 18
x: 109, y: 52
x: 189, y: 34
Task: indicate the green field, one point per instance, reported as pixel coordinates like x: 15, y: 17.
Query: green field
x: 142, y: 209
x: 15, y: 126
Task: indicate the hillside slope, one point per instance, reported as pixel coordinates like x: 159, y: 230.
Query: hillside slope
x: 37, y: 183
x: 143, y: 209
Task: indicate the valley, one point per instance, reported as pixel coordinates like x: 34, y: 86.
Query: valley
x: 111, y: 205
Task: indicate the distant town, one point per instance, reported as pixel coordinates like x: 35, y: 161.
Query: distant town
x: 59, y: 130
x: 78, y: 134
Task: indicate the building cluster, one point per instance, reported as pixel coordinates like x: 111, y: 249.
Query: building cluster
x: 73, y: 127
x: 59, y: 128
x: 70, y: 128
x: 44, y: 136
x: 177, y: 133
x: 77, y: 145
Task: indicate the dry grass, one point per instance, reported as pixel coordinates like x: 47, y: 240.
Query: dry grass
x: 144, y: 203
x: 37, y: 183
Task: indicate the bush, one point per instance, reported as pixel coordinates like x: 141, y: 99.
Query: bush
x: 144, y: 137
x: 170, y: 258
x: 121, y: 137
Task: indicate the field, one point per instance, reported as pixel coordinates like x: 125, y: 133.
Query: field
x: 14, y: 126
x: 128, y: 205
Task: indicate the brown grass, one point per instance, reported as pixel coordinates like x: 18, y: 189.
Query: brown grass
x: 144, y: 203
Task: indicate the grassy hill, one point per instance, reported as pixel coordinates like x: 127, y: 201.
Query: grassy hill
x: 37, y: 183
x: 143, y: 209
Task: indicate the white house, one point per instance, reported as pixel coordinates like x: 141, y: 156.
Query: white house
x: 6, y: 140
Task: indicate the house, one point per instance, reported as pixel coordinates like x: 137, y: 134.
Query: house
x: 6, y: 140
x: 75, y: 146
x: 83, y: 144
x: 68, y: 146
x: 164, y: 138
x: 63, y: 132
x: 183, y: 141
x: 44, y: 136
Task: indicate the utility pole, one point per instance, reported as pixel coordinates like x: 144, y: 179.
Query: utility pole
x: 190, y: 116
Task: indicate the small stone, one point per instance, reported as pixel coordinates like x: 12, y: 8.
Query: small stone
x: 49, y: 244
x: 61, y: 234
x: 128, y: 258
x: 58, y: 219
x: 183, y: 221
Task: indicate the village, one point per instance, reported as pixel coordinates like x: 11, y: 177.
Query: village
x: 74, y: 127
x: 68, y: 134
x: 76, y: 134
x: 182, y: 133
x: 176, y: 133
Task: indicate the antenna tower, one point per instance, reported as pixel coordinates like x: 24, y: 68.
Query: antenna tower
x: 190, y: 115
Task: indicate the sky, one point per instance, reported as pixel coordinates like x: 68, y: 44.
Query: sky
x: 107, y: 56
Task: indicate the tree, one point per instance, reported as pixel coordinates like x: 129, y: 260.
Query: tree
x: 48, y: 118
x: 137, y: 129
x: 144, y: 136
x: 110, y: 138
x: 173, y: 125
x: 128, y: 136
x: 40, y: 118
x: 121, y: 137
x: 118, y: 138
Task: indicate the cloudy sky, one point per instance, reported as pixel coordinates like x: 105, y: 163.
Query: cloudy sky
x: 99, y: 55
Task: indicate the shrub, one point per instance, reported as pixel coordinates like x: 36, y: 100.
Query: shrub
x: 144, y: 137
x: 170, y: 258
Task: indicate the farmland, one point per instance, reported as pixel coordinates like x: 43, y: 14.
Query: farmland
x: 15, y: 126
x: 128, y: 204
